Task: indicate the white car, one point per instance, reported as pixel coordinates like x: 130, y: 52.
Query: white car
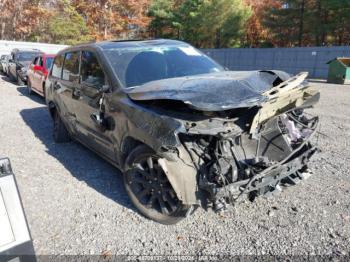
x: 15, y: 238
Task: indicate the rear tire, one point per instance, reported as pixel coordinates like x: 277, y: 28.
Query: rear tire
x: 60, y: 132
x: 11, y: 77
x: 150, y: 190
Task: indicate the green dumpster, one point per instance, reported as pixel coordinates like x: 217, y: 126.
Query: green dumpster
x: 339, y: 71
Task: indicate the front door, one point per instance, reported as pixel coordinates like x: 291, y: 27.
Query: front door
x: 34, y: 79
x: 38, y: 75
x: 31, y: 72
x: 87, y: 103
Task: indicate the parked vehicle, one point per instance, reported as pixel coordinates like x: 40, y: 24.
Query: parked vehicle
x: 37, y: 73
x: 184, y: 131
x: 2, y: 58
x: 15, y: 240
x: 5, y: 64
x: 18, y: 64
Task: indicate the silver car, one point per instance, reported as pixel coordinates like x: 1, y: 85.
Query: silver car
x: 4, y: 61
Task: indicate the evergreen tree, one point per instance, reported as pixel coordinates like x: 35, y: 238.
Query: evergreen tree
x: 204, y: 23
x: 287, y: 23
x: 68, y: 26
x: 337, y: 21
x: 163, y: 23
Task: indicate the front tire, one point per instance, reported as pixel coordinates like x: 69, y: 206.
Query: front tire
x: 11, y: 77
x: 149, y: 188
x: 29, y: 88
x: 19, y: 81
x: 60, y: 132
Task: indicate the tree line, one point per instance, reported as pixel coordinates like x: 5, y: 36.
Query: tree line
x: 203, y: 23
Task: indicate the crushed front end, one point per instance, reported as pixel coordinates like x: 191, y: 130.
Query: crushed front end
x: 248, y: 152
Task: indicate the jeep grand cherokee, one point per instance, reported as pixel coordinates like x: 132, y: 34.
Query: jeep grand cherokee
x: 184, y: 131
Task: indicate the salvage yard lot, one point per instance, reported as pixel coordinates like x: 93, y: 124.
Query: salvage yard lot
x: 76, y: 204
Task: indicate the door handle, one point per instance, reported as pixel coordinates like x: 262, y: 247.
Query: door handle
x: 101, y: 121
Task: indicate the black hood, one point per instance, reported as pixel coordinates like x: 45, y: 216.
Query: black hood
x: 212, y: 92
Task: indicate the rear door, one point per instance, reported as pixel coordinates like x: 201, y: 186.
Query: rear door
x: 65, y: 78
x: 87, y: 103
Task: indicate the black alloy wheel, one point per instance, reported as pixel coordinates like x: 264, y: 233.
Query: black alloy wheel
x: 150, y: 190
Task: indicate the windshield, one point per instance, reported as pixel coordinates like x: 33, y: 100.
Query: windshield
x: 49, y: 61
x: 26, y: 57
x: 138, y: 65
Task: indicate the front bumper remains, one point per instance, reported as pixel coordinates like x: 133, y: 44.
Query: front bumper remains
x: 272, y: 177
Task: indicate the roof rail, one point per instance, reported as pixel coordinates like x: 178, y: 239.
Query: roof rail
x: 25, y: 49
x: 135, y: 40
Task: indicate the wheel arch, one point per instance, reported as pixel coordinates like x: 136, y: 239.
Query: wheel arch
x: 182, y: 175
x: 127, y: 145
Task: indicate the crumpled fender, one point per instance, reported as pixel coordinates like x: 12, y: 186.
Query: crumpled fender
x: 182, y: 176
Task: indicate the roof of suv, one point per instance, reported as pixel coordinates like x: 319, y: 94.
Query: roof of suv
x: 135, y: 43
x: 128, y: 43
x: 17, y: 50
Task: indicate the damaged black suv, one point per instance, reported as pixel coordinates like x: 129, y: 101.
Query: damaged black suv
x: 184, y: 131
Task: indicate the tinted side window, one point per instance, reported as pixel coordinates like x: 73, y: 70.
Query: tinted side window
x: 71, y: 67
x: 49, y: 61
x: 40, y: 61
x: 35, y: 60
x: 91, y: 71
x: 57, y: 66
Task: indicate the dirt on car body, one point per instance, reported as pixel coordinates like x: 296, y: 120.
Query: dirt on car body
x: 184, y: 131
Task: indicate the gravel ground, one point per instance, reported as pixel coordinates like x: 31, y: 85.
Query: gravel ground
x: 76, y: 204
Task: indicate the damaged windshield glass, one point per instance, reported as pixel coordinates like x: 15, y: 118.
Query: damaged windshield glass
x: 138, y: 65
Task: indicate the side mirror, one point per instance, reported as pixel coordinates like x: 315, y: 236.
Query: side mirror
x: 104, y: 89
x: 92, y: 90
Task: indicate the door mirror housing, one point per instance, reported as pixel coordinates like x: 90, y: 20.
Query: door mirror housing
x: 104, y: 89
x: 93, y: 90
